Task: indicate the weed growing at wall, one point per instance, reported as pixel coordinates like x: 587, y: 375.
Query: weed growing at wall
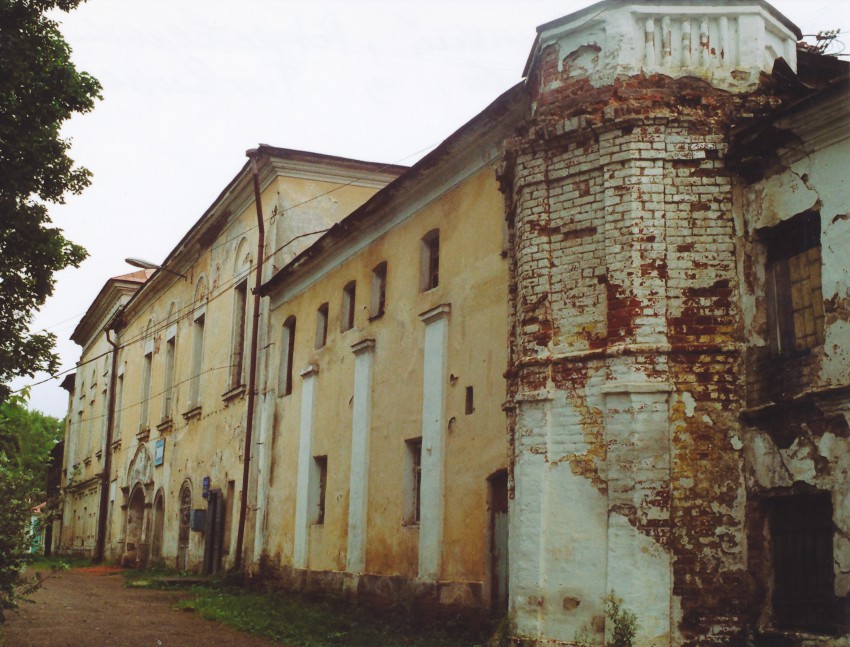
x: 621, y: 624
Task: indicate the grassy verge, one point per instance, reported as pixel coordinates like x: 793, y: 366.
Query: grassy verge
x: 42, y: 563
x: 299, y: 622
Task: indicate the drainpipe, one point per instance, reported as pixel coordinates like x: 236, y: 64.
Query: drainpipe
x: 100, y: 544
x: 252, y: 371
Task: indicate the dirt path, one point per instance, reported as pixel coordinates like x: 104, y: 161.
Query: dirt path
x: 92, y: 607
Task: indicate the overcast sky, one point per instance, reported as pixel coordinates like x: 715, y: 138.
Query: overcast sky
x: 189, y: 86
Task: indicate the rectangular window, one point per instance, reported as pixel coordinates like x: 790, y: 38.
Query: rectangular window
x: 197, y: 363
x: 346, y: 317
x: 793, y: 283
x: 803, y: 568
x: 412, y: 480
x: 322, y: 326
x: 429, y: 275
x: 237, y: 358
x: 379, y: 290
x: 168, y: 392
x: 287, y: 352
x: 144, y: 422
x: 320, y: 485
x: 119, y: 404
x: 470, y: 401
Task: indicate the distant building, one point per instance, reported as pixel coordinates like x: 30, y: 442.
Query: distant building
x: 596, y: 341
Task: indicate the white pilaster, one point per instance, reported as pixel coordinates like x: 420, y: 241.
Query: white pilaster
x: 305, y: 456
x: 358, y: 488
x: 637, y: 434
x: 433, y: 441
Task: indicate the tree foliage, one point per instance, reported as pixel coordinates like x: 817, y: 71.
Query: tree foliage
x: 26, y: 438
x: 40, y: 88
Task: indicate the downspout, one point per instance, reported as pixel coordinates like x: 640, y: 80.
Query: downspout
x: 252, y: 371
x: 103, y: 511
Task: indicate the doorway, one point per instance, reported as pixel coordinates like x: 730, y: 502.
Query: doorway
x: 158, y: 523
x: 498, y: 494
x: 183, y: 532
x: 134, y: 554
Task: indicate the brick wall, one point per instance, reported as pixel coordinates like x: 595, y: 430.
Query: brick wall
x: 620, y: 209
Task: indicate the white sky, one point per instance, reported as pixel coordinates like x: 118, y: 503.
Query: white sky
x: 189, y: 86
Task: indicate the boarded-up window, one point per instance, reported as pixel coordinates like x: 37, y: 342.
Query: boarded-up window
x: 803, y: 576
x: 794, y: 295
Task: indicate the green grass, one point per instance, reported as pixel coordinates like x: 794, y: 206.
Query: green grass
x: 54, y: 563
x: 298, y: 622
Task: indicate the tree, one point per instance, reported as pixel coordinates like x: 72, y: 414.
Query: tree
x: 40, y: 89
x: 26, y: 438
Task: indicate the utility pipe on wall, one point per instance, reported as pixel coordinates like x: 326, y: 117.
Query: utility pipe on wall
x: 252, y: 371
x: 103, y: 510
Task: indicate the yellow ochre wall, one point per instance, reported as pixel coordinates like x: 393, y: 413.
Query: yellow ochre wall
x: 473, y: 279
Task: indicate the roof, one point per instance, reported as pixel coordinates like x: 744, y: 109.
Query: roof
x: 597, y: 8
x: 272, y: 160
x: 105, y: 303
x: 449, y: 149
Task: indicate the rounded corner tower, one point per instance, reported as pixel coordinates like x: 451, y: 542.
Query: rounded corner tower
x: 624, y: 379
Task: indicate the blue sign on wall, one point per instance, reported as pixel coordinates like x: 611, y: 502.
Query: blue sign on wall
x: 159, y: 452
x: 206, y: 492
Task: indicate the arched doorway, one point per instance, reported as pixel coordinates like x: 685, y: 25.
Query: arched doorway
x: 183, y: 532
x: 134, y: 554
x: 158, y: 523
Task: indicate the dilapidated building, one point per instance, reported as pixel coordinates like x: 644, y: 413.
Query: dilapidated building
x: 596, y: 341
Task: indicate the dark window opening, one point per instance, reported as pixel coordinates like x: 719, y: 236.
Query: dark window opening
x: 348, y: 300
x: 321, y: 487
x: 470, y: 400
x: 429, y: 277
x: 379, y: 290
x: 413, y: 481
x: 287, y: 345
x: 801, y: 532
x: 322, y: 326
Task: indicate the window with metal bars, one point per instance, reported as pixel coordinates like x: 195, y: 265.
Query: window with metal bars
x: 801, y: 532
x: 795, y: 313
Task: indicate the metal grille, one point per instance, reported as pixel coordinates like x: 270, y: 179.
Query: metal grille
x: 801, y: 533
